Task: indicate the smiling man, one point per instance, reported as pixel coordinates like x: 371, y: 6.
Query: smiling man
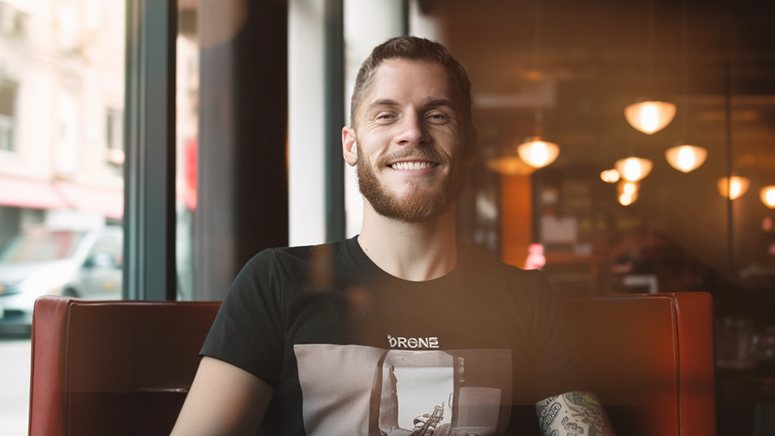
x: 401, y: 330
x: 414, y: 131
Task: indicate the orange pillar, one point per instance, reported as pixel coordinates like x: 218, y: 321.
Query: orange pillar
x: 516, y: 218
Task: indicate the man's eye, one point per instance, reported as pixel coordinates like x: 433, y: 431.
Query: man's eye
x: 385, y: 117
x: 437, y: 118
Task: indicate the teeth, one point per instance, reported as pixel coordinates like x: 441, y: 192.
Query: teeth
x: 412, y: 165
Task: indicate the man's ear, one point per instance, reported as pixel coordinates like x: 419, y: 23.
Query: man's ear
x: 472, y: 147
x: 349, y: 146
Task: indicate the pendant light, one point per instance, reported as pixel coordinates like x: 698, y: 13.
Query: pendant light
x: 628, y: 192
x: 534, y: 151
x: 767, y: 194
x: 650, y: 116
x: 610, y: 176
x: 627, y: 187
x: 633, y: 169
x: 538, y: 153
x: 734, y: 186
x: 685, y: 157
x: 627, y: 199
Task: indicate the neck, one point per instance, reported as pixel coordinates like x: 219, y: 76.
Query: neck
x: 410, y: 251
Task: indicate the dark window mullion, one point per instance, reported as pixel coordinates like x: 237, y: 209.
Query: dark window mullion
x: 334, y: 119
x: 149, y: 190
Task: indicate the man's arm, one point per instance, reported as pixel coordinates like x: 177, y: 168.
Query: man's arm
x: 573, y: 413
x: 223, y: 400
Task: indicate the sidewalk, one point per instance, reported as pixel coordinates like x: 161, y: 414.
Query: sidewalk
x: 14, y: 386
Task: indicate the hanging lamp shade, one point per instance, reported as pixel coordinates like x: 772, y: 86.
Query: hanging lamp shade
x: 537, y: 153
x: 610, y: 176
x: 767, y: 194
x: 649, y: 116
x: 686, y: 158
x: 627, y: 199
x: 629, y: 188
x: 633, y: 169
x: 628, y: 192
x: 732, y: 188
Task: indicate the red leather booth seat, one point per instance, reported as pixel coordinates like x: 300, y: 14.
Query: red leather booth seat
x: 650, y: 361
x: 113, y: 367
x: 123, y: 367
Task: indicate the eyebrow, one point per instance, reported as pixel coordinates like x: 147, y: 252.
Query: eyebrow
x: 441, y: 102
x: 432, y: 103
x: 381, y: 102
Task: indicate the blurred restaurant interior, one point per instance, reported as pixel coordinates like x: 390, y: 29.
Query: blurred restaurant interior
x: 209, y: 130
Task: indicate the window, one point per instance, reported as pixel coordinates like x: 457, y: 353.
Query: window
x: 8, y: 95
x: 114, y: 132
x: 61, y: 82
x: 13, y: 22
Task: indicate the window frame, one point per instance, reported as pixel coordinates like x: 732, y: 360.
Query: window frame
x: 149, y: 138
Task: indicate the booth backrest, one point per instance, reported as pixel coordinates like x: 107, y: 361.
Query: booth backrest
x: 649, y: 359
x: 113, y: 367
x: 123, y: 367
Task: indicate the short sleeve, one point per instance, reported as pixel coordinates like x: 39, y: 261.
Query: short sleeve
x: 248, y: 330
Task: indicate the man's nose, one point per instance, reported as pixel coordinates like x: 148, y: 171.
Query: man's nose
x: 413, y: 131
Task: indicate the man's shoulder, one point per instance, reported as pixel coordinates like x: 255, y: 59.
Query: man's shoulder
x: 476, y: 257
x: 487, y: 266
x: 297, y: 259
x: 300, y: 252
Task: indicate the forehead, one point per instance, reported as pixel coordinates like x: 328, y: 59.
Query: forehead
x: 406, y: 80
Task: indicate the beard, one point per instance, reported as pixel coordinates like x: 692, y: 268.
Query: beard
x: 425, y: 199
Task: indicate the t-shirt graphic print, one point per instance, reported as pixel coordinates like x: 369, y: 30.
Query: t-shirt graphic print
x: 354, y: 389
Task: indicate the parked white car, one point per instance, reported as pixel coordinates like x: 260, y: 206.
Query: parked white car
x: 40, y: 261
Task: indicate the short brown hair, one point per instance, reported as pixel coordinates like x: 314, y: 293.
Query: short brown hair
x: 420, y: 49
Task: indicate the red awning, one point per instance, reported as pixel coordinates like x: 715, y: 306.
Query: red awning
x: 101, y: 200
x: 30, y: 193
x: 44, y: 194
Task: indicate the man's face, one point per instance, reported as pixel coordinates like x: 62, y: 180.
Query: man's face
x: 409, y: 139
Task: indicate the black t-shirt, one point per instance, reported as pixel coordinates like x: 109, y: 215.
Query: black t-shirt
x: 350, y: 349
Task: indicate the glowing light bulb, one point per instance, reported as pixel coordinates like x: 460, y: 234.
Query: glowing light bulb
x: 628, y: 192
x: 733, y: 188
x: 649, y: 116
x: 633, y: 169
x: 767, y: 194
x: 627, y: 199
x: 629, y: 188
x: 610, y: 176
x: 537, y: 153
x: 686, y: 158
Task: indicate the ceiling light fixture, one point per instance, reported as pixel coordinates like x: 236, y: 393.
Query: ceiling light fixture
x: 610, y: 176
x: 633, y: 169
x: 629, y: 188
x: 628, y: 192
x: 734, y: 186
x: 650, y: 116
x: 533, y: 151
x: 686, y: 158
x: 767, y: 194
x: 682, y: 156
x: 537, y: 153
x: 627, y: 199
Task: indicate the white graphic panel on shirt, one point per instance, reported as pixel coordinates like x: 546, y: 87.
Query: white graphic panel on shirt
x: 359, y: 390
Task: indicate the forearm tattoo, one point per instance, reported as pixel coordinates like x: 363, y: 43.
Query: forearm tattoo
x: 573, y: 414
